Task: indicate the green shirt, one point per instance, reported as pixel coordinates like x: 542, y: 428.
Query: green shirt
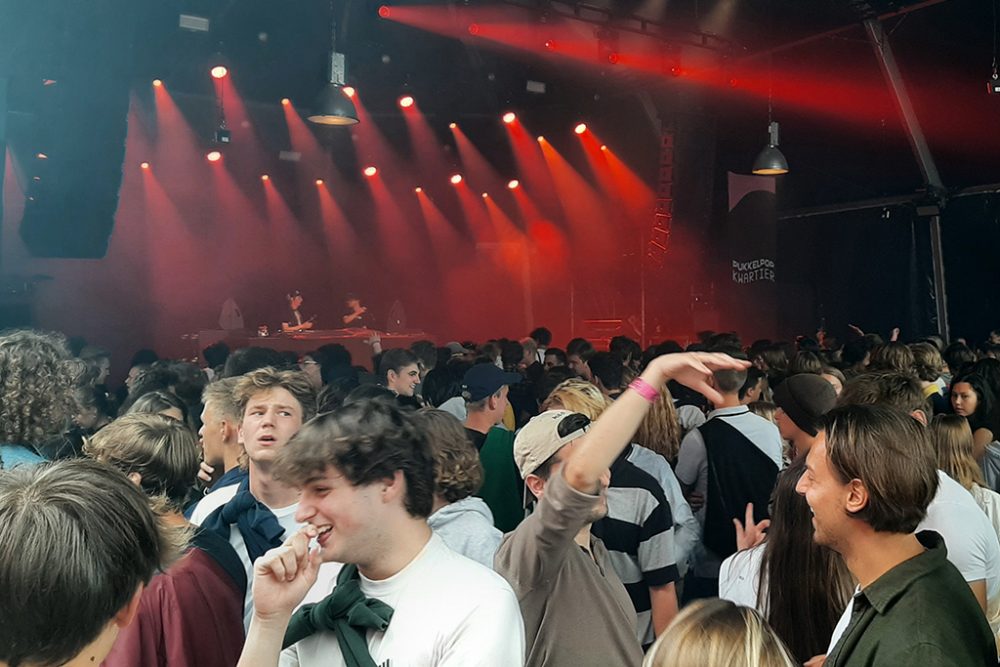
x: 920, y: 612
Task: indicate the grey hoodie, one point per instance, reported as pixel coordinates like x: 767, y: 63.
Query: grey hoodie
x: 467, y: 527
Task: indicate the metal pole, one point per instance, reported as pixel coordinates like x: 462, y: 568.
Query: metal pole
x: 921, y: 151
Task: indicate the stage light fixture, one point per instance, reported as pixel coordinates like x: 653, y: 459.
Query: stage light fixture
x: 384, y: 11
x: 350, y: 91
x: 418, y: 189
x: 604, y: 147
x: 144, y: 165
x: 513, y: 184
x: 370, y: 171
x: 219, y: 72
x: 456, y: 179
x: 771, y: 161
x: 406, y: 101
x: 580, y: 128
x: 285, y: 101
x: 550, y: 45
x: 473, y: 29
x: 319, y: 181
x: 486, y: 195
x: 613, y: 58
x: 540, y: 139
x: 265, y: 177
x: 452, y: 125
x: 509, y: 117
x: 157, y: 83
x: 42, y: 156
x: 213, y: 156
x: 333, y: 106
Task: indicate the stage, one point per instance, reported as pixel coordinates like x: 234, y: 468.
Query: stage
x: 355, y: 340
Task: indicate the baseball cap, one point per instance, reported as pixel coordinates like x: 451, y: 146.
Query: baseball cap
x: 805, y: 398
x: 545, y: 435
x: 484, y: 380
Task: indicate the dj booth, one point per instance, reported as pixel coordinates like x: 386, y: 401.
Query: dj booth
x: 355, y: 340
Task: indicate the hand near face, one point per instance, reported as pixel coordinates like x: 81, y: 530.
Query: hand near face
x: 694, y: 369
x: 283, y: 576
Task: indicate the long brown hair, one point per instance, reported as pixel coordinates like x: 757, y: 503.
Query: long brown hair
x: 953, y: 442
x: 797, y: 574
x: 660, y: 430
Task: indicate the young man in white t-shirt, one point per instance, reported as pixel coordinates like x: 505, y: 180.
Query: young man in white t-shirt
x: 272, y: 406
x: 367, y: 480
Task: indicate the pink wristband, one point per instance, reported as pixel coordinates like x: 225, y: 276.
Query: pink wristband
x: 644, y: 389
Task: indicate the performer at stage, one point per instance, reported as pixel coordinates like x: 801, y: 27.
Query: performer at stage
x: 357, y: 316
x: 297, y: 323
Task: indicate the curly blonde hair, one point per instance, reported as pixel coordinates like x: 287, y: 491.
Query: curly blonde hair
x: 36, y: 386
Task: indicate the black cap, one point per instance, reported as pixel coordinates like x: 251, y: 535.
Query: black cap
x: 484, y: 380
x: 805, y: 398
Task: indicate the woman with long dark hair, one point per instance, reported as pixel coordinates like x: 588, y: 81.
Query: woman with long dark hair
x: 800, y: 587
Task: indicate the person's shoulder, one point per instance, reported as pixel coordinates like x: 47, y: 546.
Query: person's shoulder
x: 212, y: 502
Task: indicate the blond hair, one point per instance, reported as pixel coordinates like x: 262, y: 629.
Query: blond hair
x: 952, y: 437
x: 718, y: 633
x: 264, y: 379
x: 577, y: 395
x: 660, y: 430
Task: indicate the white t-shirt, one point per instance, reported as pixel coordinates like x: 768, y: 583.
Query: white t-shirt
x: 286, y: 517
x: 739, y: 577
x: 448, y: 611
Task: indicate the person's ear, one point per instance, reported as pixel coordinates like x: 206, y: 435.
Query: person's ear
x: 535, y: 484
x: 135, y: 478
x: 920, y: 416
x: 857, y: 496
x: 131, y: 608
x: 393, y: 487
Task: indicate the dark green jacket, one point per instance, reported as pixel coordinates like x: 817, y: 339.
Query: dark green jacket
x: 920, y: 612
x: 503, y: 489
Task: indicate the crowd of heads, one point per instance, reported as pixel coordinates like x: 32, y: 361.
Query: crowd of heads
x: 125, y: 460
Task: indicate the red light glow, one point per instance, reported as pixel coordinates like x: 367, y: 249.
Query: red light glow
x: 406, y: 101
x: 452, y: 125
x: 550, y: 45
x: 384, y: 11
x: 213, y: 156
x: 513, y: 184
x: 613, y: 58
x: 350, y: 92
x: 285, y: 101
x: 144, y: 165
x: 473, y: 28
x: 319, y: 181
x: 157, y: 83
x: 580, y: 128
x: 370, y: 171
x: 219, y: 72
x: 509, y: 117
x: 265, y: 177
x: 540, y: 139
x: 486, y: 195
x: 456, y: 179
x: 603, y: 147
x: 418, y: 189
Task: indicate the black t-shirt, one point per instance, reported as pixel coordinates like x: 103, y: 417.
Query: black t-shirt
x: 362, y: 321
x: 476, y: 438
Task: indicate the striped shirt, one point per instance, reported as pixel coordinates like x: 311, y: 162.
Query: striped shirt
x: 638, y: 533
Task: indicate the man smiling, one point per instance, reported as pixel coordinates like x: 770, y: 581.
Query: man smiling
x: 260, y: 512
x: 869, y: 479
x: 367, y: 480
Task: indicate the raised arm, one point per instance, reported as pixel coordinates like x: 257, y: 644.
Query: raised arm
x: 614, y: 429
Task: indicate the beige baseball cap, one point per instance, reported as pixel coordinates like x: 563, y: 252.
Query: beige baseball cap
x: 545, y: 435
